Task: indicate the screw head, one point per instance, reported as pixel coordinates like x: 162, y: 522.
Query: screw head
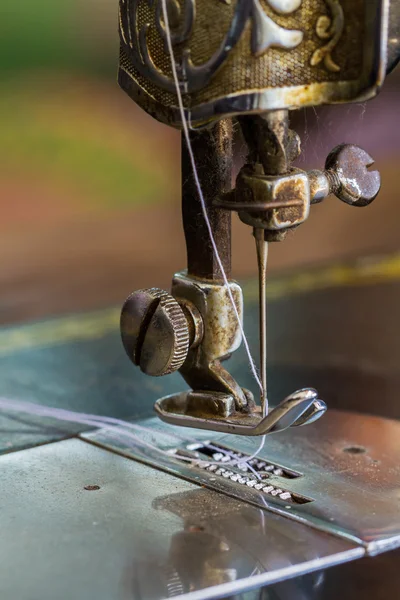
x: 353, y: 183
x: 154, y: 332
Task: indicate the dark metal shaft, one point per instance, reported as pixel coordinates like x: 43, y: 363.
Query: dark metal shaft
x: 213, y: 155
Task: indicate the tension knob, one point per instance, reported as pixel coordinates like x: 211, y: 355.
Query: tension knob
x: 155, y: 331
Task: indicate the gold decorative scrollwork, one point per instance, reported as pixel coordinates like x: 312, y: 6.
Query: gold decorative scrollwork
x: 265, y: 33
x: 329, y: 28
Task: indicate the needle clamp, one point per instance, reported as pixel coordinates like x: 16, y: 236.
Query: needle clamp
x: 281, y: 202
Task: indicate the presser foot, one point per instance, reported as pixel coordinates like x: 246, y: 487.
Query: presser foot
x: 202, y: 410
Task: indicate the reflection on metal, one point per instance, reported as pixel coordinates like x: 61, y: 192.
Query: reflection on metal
x: 142, y: 534
x: 207, y: 410
x: 219, y: 454
x: 354, y: 493
x: 255, y: 473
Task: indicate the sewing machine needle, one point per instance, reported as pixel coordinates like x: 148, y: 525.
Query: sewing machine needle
x: 262, y: 260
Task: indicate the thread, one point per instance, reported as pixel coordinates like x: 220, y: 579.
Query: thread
x: 200, y: 191
x: 205, y: 213
x: 117, y: 428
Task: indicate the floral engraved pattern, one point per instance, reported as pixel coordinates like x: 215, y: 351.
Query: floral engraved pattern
x: 265, y: 34
x: 329, y: 28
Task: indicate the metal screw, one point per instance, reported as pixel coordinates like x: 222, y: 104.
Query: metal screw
x: 347, y: 176
x: 353, y: 182
x: 155, y: 332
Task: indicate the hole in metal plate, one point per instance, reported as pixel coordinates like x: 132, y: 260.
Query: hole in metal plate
x: 355, y: 450
x: 225, y: 454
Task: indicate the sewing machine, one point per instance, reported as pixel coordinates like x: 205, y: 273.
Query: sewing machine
x: 261, y: 61
x: 200, y: 506
x: 260, y: 67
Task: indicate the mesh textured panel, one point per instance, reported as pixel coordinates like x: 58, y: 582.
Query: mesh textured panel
x: 242, y: 71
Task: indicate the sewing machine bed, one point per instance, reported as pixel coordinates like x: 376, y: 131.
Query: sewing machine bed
x: 85, y: 516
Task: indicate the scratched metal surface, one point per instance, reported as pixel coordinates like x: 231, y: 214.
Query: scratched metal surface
x: 144, y: 535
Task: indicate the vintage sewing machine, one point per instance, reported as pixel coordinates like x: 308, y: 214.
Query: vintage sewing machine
x: 189, y: 510
x: 203, y: 66
x: 262, y: 60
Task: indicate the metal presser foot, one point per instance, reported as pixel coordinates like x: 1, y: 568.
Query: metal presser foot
x: 195, y: 328
x: 294, y: 56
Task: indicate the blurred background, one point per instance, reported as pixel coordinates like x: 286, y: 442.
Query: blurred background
x: 90, y: 185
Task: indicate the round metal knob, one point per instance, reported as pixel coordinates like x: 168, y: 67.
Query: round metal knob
x: 154, y: 331
x: 347, y: 169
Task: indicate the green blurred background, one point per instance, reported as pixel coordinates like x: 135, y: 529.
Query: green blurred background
x: 62, y: 116
x: 90, y: 185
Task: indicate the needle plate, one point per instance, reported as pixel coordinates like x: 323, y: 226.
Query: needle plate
x: 346, y: 466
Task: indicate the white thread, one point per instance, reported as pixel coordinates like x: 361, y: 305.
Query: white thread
x: 200, y: 192
x: 117, y: 428
x: 205, y: 214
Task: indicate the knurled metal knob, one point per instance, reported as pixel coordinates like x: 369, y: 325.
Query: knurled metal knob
x: 155, y: 331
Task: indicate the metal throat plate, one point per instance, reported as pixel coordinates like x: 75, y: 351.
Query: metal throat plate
x: 82, y: 522
x: 340, y: 475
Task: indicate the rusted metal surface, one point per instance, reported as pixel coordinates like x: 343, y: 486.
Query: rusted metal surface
x: 271, y: 202
x: 272, y: 147
x: 270, y: 141
x: 273, y: 196
x: 213, y: 157
x: 217, y: 401
x: 347, y: 168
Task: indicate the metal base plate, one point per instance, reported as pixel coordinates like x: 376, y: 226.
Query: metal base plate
x: 81, y: 522
x: 342, y: 474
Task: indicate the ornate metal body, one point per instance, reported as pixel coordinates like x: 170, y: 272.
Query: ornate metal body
x: 244, y: 56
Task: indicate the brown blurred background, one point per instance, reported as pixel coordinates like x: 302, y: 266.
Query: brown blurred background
x: 90, y: 185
